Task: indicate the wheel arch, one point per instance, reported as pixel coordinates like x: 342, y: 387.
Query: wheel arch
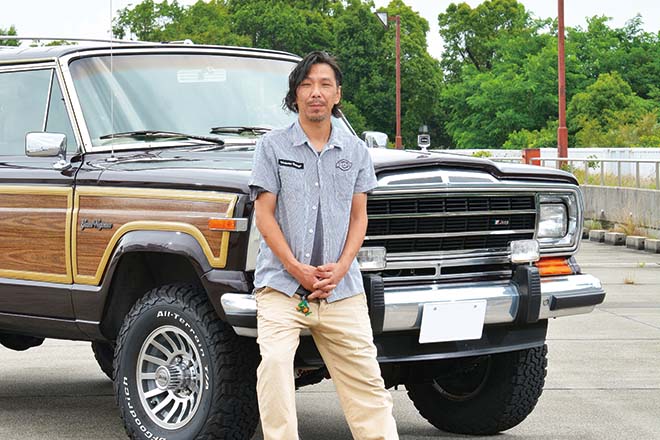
x: 141, y: 261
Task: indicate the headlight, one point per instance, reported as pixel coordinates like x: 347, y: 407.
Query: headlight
x: 553, y: 221
x: 559, y: 222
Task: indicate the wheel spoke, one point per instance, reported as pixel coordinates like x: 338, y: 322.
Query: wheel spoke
x: 182, y: 414
x: 163, y: 404
x: 155, y: 360
x: 183, y: 344
x: 147, y: 376
x: 153, y: 393
x: 174, y: 409
x: 162, y: 349
x: 170, y: 341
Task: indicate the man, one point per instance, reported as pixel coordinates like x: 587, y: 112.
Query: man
x: 309, y: 183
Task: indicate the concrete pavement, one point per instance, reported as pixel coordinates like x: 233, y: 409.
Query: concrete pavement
x: 603, y: 375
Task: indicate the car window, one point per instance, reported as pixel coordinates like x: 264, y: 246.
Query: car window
x: 23, y: 99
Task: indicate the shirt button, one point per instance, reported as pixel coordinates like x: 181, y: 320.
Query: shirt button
x: 311, y: 231
x: 314, y: 207
x: 307, y: 255
x: 316, y: 184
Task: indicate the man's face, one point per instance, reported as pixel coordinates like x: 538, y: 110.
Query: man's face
x: 318, y: 93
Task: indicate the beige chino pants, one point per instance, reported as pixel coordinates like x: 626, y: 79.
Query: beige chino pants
x: 343, y: 336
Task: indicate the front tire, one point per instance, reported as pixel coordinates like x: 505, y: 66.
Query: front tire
x: 181, y: 373
x: 483, y: 395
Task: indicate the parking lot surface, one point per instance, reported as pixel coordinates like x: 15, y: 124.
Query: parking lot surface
x: 603, y: 375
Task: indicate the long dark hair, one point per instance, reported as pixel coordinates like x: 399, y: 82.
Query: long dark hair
x: 300, y: 72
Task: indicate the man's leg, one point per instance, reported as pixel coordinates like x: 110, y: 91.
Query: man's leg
x: 279, y: 326
x: 345, y: 340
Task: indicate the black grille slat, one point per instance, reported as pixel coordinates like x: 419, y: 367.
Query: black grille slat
x: 450, y: 214
x: 431, y: 225
x: 449, y: 204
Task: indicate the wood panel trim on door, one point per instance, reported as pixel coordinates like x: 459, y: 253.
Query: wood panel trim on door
x: 134, y: 209
x: 33, y: 195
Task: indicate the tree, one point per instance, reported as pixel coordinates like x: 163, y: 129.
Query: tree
x: 292, y: 26
x: 472, y: 35
x: 10, y: 31
x: 147, y: 21
x: 608, y: 113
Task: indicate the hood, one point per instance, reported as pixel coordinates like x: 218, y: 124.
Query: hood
x: 229, y: 170
x: 386, y: 161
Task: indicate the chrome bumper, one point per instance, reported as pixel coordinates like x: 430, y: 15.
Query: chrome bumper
x: 560, y: 296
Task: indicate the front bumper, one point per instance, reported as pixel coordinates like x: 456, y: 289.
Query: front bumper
x: 401, y: 306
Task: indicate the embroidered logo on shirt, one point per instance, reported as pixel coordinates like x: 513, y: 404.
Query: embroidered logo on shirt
x: 344, y: 164
x: 291, y: 163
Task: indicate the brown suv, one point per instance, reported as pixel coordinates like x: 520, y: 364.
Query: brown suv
x: 125, y: 221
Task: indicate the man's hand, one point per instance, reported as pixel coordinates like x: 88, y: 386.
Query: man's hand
x: 305, y: 274
x: 330, y: 275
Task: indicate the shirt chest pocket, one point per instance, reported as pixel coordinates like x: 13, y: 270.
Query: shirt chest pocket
x: 344, y: 183
x: 292, y: 180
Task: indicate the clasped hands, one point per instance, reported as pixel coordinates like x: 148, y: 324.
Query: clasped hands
x: 320, y: 280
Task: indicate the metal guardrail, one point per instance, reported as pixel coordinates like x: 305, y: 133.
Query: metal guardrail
x: 589, y: 163
x: 597, y: 164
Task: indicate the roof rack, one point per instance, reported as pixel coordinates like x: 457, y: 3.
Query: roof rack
x: 91, y: 40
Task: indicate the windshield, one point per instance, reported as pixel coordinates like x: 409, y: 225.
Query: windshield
x: 183, y: 93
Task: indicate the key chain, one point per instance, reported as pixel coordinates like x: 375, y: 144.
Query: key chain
x: 303, y: 306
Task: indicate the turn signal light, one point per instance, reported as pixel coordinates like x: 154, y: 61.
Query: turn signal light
x: 553, y: 266
x: 228, y: 224
x: 222, y: 224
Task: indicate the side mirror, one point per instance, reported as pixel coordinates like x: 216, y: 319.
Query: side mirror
x: 41, y: 144
x: 375, y: 139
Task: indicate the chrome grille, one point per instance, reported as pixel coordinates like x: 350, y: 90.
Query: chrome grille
x: 436, y: 236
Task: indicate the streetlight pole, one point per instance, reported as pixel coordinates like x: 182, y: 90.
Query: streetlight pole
x: 384, y: 19
x: 562, y: 131
x: 398, y: 141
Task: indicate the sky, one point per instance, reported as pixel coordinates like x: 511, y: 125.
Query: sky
x: 92, y: 18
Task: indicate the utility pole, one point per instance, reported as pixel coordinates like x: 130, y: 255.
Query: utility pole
x: 384, y: 19
x: 562, y: 131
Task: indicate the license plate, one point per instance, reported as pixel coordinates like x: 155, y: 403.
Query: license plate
x: 452, y: 321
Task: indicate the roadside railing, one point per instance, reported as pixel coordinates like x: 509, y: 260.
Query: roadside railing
x: 597, y: 167
x: 602, y: 172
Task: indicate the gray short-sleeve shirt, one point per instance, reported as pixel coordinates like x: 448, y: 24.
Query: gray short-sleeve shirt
x: 304, y: 181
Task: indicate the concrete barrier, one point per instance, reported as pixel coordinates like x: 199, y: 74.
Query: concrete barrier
x: 635, y: 242
x: 623, y: 205
x: 615, y: 238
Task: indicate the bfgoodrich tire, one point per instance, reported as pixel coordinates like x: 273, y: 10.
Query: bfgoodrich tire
x: 483, y: 395
x: 181, y: 373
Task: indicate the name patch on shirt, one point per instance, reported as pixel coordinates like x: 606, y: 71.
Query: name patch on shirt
x: 291, y: 163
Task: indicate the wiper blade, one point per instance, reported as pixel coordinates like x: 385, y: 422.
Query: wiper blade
x: 239, y: 130
x: 158, y: 134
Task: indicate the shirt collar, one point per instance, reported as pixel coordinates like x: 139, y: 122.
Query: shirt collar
x: 299, y: 138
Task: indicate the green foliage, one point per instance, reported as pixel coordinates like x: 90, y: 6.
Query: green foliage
x: 473, y: 36
x: 482, y: 153
x: 352, y: 113
x: 496, y: 86
x: 608, y: 113
x: 10, y: 31
x: 543, y: 138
